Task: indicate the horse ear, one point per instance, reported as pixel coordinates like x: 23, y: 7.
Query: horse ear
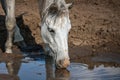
x: 53, y: 8
x: 69, y: 5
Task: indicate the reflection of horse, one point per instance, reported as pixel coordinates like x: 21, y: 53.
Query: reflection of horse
x: 55, y: 74
x: 55, y: 26
x: 13, y: 67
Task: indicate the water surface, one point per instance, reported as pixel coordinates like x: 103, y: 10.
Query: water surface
x: 39, y: 67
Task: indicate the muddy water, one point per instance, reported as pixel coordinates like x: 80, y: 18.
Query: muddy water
x: 40, y: 67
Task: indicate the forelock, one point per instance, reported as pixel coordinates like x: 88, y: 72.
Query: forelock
x: 56, y: 10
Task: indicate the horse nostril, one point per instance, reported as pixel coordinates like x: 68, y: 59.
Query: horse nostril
x: 63, y: 63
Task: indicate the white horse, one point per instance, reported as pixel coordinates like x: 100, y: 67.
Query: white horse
x: 55, y: 26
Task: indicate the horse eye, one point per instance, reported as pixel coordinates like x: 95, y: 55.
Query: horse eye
x: 51, y: 30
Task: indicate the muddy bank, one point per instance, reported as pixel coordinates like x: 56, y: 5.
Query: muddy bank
x: 95, y: 24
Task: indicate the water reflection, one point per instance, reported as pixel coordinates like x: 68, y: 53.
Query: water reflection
x: 98, y: 73
x: 40, y: 67
x: 13, y: 67
x: 63, y: 74
x: 55, y: 74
